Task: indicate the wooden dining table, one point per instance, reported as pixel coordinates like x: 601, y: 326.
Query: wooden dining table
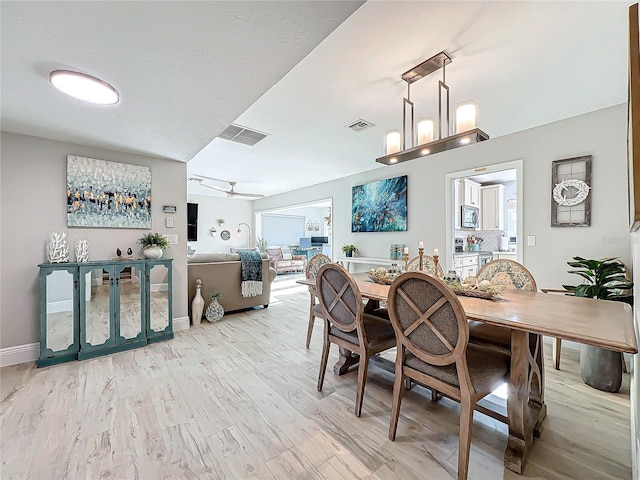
x: 529, y: 316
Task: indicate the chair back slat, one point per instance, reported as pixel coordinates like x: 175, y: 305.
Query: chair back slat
x: 428, y: 318
x: 339, y: 297
x: 508, y: 273
x: 428, y: 265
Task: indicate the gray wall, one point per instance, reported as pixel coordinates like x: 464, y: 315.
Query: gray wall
x: 601, y: 134
x: 33, y: 203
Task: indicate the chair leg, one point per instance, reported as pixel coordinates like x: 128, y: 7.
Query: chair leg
x: 362, y: 380
x: 464, y: 449
x: 624, y: 364
x: 398, y: 393
x: 312, y: 318
x: 557, y: 350
x: 325, y: 357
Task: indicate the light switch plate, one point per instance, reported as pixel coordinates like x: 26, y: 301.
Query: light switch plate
x: 172, y: 238
x: 169, y: 222
x: 531, y: 240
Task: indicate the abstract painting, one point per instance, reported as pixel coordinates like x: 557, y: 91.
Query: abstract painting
x: 380, y: 206
x: 107, y: 194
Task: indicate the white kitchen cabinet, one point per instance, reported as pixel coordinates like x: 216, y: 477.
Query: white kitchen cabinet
x: 466, y: 265
x: 471, y: 193
x: 505, y: 256
x: 492, y: 210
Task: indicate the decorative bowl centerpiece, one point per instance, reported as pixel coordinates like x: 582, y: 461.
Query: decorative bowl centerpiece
x: 382, y: 275
x: 471, y: 287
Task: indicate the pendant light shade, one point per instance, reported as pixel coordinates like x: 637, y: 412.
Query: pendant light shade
x: 426, y: 127
x: 392, y: 142
x: 466, y: 117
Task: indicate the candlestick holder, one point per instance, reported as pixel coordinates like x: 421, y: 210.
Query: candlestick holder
x: 421, y: 255
x: 406, y: 262
x: 435, y: 261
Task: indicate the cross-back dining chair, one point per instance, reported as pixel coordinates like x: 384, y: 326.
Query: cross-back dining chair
x: 512, y: 276
x: 315, y: 309
x: 428, y: 265
x: 432, y: 336
x: 347, y: 325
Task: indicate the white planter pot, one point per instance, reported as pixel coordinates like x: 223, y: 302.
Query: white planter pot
x: 153, y: 251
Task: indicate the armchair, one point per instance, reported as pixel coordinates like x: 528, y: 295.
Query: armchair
x: 282, y: 260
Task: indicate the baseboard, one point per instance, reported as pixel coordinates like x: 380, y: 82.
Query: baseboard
x: 180, y: 323
x: 159, y: 287
x: 29, y: 352
x: 59, y: 307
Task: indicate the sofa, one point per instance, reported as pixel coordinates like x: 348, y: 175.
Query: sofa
x: 220, y: 272
x: 283, y: 260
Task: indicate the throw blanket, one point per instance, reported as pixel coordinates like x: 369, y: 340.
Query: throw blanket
x: 251, y: 273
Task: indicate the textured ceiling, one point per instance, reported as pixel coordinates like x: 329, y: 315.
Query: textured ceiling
x: 300, y: 72
x: 526, y: 63
x: 185, y: 70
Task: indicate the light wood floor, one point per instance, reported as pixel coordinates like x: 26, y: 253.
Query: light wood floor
x: 238, y: 399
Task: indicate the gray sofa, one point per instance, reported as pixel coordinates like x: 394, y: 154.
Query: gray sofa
x: 220, y: 272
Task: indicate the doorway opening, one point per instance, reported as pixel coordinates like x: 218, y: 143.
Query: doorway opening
x: 306, y: 228
x: 484, y: 216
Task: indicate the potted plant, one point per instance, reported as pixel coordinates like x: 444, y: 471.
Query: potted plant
x: 262, y: 244
x: 153, y: 244
x: 606, y: 280
x: 349, y: 250
x: 215, y: 311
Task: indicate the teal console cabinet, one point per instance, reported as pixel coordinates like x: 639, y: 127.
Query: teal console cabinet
x: 97, y: 308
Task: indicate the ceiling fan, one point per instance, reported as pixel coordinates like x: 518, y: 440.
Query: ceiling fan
x: 230, y: 193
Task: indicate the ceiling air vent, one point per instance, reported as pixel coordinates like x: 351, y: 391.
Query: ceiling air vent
x: 360, y: 125
x: 240, y: 134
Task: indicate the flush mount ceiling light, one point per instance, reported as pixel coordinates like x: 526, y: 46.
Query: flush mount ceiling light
x: 84, y: 87
x: 421, y: 140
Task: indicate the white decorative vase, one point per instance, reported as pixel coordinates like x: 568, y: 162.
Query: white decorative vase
x: 57, y: 247
x: 153, y: 251
x: 82, y: 251
x: 197, y: 305
x: 214, y: 311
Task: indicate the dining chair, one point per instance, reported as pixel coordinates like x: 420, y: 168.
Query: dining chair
x: 347, y: 325
x: 512, y: 276
x: 428, y: 265
x: 315, y: 309
x: 432, y: 336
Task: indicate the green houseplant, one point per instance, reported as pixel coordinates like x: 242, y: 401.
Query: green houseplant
x: 349, y: 250
x: 262, y: 244
x: 153, y: 244
x: 606, y: 280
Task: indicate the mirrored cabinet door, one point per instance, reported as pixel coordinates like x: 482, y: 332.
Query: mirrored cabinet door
x: 96, y: 306
x: 130, y: 301
x: 159, y: 279
x: 58, y: 312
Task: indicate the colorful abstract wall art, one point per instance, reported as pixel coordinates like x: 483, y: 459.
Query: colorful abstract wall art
x: 107, y: 194
x: 380, y: 206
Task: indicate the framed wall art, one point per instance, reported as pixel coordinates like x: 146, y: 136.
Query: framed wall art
x: 571, y: 192
x: 104, y: 194
x: 380, y: 206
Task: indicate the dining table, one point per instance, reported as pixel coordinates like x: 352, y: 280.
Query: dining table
x: 529, y: 316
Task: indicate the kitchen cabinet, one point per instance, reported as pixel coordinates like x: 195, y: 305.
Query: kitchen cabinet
x: 466, y: 265
x: 458, y: 200
x: 95, y: 308
x: 471, y: 193
x: 505, y: 256
x: 492, y: 210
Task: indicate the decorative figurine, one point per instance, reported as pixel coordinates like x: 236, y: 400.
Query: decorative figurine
x: 129, y: 251
x: 119, y: 252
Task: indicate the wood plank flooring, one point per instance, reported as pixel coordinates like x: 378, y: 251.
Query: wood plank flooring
x: 237, y: 399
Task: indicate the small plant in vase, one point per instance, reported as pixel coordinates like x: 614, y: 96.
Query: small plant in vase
x: 349, y: 250
x: 215, y: 311
x: 153, y: 244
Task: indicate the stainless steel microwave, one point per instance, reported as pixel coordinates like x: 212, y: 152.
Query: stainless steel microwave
x: 470, y: 217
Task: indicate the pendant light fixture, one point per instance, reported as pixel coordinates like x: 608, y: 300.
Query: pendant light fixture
x: 418, y: 142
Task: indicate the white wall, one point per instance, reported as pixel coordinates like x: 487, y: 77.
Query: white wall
x: 234, y: 211
x: 601, y: 134
x: 635, y: 359
x: 33, y: 203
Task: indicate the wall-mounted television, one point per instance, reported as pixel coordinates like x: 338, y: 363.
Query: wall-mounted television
x: 192, y: 222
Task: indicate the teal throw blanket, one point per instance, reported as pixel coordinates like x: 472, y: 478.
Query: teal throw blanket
x: 251, y: 273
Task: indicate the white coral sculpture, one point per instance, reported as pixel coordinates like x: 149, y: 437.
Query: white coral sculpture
x: 57, y: 248
x: 82, y: 251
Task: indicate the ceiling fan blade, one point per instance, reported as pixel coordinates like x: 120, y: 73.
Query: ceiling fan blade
x: 256, y: 195
x: 211, y: 178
